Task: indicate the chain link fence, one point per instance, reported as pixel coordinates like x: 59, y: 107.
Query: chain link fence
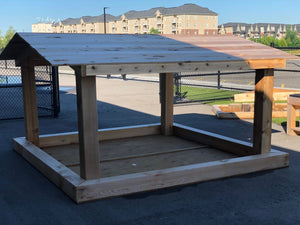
x: 11, y: 97
x: 190, y: 86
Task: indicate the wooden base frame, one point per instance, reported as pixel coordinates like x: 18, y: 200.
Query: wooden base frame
x: 81, y: 190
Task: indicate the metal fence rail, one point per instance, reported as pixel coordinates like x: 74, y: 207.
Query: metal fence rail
x: 11, y: 98
x: 235, y: 80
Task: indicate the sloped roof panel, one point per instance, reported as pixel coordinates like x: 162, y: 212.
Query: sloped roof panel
x: 89, y: 49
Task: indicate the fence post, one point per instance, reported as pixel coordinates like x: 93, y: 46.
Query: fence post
x: 55, y: 95
x: 177, y: 85
x: 219, y: 79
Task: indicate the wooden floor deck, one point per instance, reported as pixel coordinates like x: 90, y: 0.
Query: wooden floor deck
x: 140, y: 154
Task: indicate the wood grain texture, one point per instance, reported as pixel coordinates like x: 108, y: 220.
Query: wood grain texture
x: 292, y: 105
x: 68, y: 138
x: 221, y: 142
x: 55, y: 171
x: 157, y: 179
x: 30, y: 103
x: 91, y: 49
x: 87, y: 124
x: 166, y: 82
x: 262, y: 127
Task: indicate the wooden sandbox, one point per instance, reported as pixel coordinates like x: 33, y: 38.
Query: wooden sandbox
x: 92, y: 164
x: 246, y: 111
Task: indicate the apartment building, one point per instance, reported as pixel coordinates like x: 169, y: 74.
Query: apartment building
x: 246, y: 30
x: 188, y: 19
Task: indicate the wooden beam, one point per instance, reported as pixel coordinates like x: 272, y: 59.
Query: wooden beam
x: 166, y: 99
x: 51, y: 140
x: 167, y: 67
x: 87, y: 124
x: 221, y: 142
x: 262, y: 128
x: 30, y: 103
x: 157, y: 179
x: 55, y: 171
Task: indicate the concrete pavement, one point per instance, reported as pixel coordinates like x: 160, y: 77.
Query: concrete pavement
x: 27, y: 197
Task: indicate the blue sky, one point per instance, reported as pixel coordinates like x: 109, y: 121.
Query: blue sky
x: 22, y: 13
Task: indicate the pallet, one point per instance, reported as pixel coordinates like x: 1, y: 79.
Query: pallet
x: 138, y: 158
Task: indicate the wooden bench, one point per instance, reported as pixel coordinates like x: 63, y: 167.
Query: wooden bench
x: 293, y: 105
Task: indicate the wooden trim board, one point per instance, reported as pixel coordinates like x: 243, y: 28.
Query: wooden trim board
x: 51, y: 140
x: 153, y: 180
x: 221, y: 142
x: 81, y: 190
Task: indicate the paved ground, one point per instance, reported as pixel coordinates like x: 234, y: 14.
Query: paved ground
x: 27, y: 197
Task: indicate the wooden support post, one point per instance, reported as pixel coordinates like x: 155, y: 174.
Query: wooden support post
x: 166, y: 100
x: 291, y: 120
x: 262, y: 129
x: 30, y: 103
x: 87, y: 124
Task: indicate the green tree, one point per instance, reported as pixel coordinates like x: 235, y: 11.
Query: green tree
x: 154, y: 31
x: 291, y: 37
x: 8, y: 35
x: 1, y: 40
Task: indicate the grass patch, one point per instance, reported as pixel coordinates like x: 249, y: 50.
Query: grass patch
x: 208, y: 95
x: 293, y: 52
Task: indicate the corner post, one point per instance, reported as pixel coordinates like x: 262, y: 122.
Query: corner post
x: 166, y: 98
x: 87, y: 124
x: 262, y: 130
x: 30, y: 103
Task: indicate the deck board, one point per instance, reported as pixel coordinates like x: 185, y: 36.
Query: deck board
x: 140, y: 154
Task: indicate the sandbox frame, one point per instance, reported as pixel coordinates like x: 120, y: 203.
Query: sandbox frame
x: 89, y: 185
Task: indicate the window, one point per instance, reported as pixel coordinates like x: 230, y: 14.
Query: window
x: 207, y: 25
x: 195, y: 25
x: 207, y: 17
x: 195, y: 17
x: 188, y: 32
x: 188, y: 17
x: 195, y: 32
x: 214, y: 33
x: 187, y: 25
x: 179, y: 24
x: 206, y: 32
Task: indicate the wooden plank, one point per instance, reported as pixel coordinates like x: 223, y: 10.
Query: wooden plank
x: 87, y: 124
x: 266, y: 63
x: 166, y: 99
x: 83, y: 49
x: 223, y: 143
x: 166, y: 67
x: 56, y: 172
x: 138, y: 182
x: 297, y: 130
x: 291, y: 120
x: 51, y: 140
x: 262, y: 128
x: 30, y: 103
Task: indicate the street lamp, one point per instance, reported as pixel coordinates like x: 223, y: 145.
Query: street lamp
x: 105, y: 19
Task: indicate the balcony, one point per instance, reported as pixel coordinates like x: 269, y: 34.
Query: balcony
x: 159, y: 22
x: 174, y: 21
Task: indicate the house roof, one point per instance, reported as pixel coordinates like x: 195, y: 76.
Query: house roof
x: 141, y: 52
x: 186, y: 9
x: 190, y: 9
